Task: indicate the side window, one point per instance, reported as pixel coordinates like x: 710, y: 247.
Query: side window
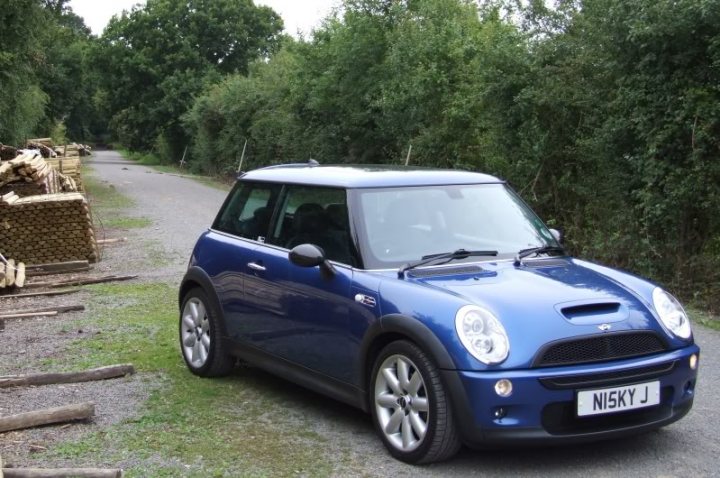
x: 317, y: 216
x: 248, y: 210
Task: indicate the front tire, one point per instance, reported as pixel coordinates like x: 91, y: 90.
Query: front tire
x: 201, y: 338
x: 409, y: 407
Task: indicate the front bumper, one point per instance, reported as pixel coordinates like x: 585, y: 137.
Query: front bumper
x: 542, y: 407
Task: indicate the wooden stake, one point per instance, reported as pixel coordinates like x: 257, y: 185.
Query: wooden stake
x: 47, y: 416
x: 61, y: 473
x: 35, y: 379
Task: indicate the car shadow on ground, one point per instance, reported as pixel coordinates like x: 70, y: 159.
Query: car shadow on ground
x: 353, y: 427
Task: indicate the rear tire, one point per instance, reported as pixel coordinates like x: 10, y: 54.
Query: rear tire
x: 409, y: 407
x: 201, y: 339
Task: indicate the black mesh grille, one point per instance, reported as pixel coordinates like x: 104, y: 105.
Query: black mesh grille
x: 608, y: 379
x: 599, y: 348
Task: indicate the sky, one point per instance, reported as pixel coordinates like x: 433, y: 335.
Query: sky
x: 300, y: 15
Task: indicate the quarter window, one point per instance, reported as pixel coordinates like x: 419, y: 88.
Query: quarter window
x: 248, y: 210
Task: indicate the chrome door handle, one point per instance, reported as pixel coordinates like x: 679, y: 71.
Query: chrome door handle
x: 256, y: 267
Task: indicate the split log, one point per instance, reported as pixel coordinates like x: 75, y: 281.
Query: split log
x: 101, y: 373
x: 20, y: 275
x: 48, y: 416
x: 61, y: 473
x: 40, y: 294
x: 10, y: 272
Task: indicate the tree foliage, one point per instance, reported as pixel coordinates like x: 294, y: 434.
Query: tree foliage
x: 155, y: 58
x: 603, y: 113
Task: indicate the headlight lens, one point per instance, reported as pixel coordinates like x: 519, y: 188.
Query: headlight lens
x: 482, y: 334
x: 671, y: 313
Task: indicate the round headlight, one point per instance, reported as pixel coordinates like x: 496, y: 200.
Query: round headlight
x: 482, y: 334
x: 671, y: 313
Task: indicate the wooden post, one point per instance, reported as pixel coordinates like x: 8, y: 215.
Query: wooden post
x: 91, y: 375
x: 47, y: 416
x: 242, y: 157
x: 407, y: 160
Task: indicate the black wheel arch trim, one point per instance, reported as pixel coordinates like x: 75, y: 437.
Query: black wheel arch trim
x: 195, y: 276
x: 414, y: 330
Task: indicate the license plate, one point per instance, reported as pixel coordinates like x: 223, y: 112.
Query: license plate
x: 617, y: 399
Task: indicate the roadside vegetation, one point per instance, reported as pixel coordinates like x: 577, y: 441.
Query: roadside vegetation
x: 601, y: 113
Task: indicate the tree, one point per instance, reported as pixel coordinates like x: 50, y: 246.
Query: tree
x: 157, y: 57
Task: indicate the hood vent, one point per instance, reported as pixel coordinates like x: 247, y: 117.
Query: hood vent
x: 445, y: 271
x: 537, y: 263
x: 582, y: 311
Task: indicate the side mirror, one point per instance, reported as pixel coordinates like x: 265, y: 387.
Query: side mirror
x: 307, y: 255
x: 310, y: 255
x: 557, y: 235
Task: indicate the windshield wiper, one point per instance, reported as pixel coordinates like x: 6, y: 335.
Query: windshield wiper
x: 448, y: 256
x: 535, y: 251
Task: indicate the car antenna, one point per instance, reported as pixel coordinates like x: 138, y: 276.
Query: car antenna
x: 407, y: 160
x: 242, y: 156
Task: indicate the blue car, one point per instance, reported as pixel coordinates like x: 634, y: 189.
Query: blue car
x: 438, y: 302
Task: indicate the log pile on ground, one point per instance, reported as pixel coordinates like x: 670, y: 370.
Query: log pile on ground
x: 29, y: 174
x: 12, y: 273
x: 73, y: 150
x: 46, y: 229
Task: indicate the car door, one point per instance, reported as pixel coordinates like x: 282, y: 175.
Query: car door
x: 240, y: 228
x: 303, y: 313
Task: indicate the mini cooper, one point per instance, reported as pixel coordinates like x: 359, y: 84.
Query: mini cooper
x: 438, y: 302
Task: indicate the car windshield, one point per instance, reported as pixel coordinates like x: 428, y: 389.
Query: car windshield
x: 398, y: 225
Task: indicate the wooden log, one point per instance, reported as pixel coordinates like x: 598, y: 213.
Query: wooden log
x: 40, y: 294
x: 29, y: 313
x: 10, y: 272
x: 48, y: 416
x: 95, y: 374
x: 57, y: 268
x: 112, y: 241
x: 97, y: 280
x: 20, y: 275
x: 61, y: 473
x: 23, y: 315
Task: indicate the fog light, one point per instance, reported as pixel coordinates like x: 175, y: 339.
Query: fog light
x: 503, y: 387
x: 693, y: 363
x: 500, y: 413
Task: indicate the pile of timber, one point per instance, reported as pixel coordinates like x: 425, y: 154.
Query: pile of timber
x: 12, y: 274
x: 29, y: 174
x: 69, y: 168
x: 73, y: 150
x: 46, y: 229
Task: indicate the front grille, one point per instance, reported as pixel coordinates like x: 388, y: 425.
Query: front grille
x: 598, y: 348
x: 608, y: 379
x: 561, y: 418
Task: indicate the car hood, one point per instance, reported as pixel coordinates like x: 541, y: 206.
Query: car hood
x: 542, y: 301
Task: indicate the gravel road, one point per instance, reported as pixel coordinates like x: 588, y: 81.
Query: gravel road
x: 181, y: 208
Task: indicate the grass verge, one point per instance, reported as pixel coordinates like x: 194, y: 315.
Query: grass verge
x: 189, y: 426
x: 704, y: 318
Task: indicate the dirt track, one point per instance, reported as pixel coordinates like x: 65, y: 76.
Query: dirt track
x: 180, y: 209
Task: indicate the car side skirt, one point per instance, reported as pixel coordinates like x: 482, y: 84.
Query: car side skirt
x: 299, y: 375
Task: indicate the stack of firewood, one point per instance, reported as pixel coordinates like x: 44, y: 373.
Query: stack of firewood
x: 47, y: 228
x: 29, y: 175
x: 12, y: 274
